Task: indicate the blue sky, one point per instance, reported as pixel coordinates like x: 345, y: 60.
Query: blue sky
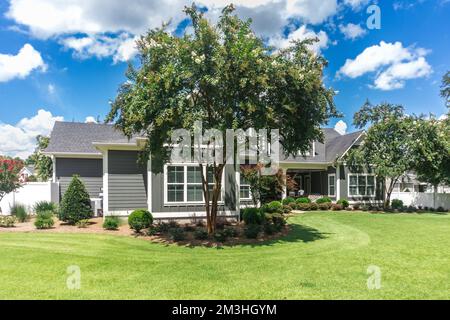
x: 68, y: 60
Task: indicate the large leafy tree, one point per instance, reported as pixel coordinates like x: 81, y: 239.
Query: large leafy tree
x: 43, y: 164
x: 431, y: 151
x: 445, y: 88
x: 388, y: 145
x: 9, y: 175
x: 227, y: 78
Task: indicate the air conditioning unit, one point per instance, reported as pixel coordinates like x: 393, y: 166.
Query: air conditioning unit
x: 97, y: 207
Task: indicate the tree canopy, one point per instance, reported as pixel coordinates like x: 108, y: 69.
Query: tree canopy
x: 227, y: 78
x: 9, y: 175
x: 42, y: 163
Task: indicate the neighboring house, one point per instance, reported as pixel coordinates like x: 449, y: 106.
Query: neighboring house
x: 25, y: 173
x: 108, y: 164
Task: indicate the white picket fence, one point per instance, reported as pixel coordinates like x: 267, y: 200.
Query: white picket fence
x: 29, y: 194
x: 423, y: 199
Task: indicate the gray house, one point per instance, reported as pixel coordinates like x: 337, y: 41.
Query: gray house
x: 118, y: 183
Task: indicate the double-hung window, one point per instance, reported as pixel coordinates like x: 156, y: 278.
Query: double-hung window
x: 362, y: 185
x: 332, y: 185
x: 194, y: 184
x: 211, y: 182
x: 175, y: 184
x: 244, y: 189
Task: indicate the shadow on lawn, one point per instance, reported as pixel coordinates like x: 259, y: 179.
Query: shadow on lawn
x: 297, y: 233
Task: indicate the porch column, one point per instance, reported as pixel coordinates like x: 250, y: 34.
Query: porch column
x: 285, y: 191
x: 338, y: 182
x: 105, y: 184
x: 149, y: 184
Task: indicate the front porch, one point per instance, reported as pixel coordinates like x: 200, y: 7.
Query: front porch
x: 310, y: 182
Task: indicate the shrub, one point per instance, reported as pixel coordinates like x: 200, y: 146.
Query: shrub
x: 303, y: 206
x: 44, y: 220
x: 288, y: 200
x: 303, y: 200
x: 274, y: 206
x: 441, y: 209
x: 269, y: 228
x: 251, y: 231
x: 76, y: 204
x: 220, y: 236
x: 252, y: 216
x: 152, y: 230
x: 173, y: 224
x: 337, y: 207
x: 140, y: 219
x: 324, y: 206
x: 396, y: 204
x: 111, y: 223
x: 323, y: 200
x: 293, y: 205
x: 231, y: 232
x: 177, y: 234
x: 162, y: 227
x: 278, y: 220
x: 411, y: 209
x: 356, y: 206
x: 365, y: 208
x: 20, y: 212
x: 201, y: 234
x: 7, y: 221
x: 82, y: 223
x: 189, y: 228
x: 344, y: 202
x: 42, y: 206
x: 313, y: 206
x: 287, y: 209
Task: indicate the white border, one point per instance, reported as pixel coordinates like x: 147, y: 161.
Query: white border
x: 362, y: 196
x: 335, y: 185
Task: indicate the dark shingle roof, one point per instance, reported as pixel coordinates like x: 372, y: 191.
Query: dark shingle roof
x: 76, y: 137
x: 336, y: 146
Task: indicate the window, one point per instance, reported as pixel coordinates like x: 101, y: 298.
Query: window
x: 361, y: 185
x: 175, y: 184
x: 184, y: 184
x: 244, y: 189
x: 211, y: 181
x: 332, y: 185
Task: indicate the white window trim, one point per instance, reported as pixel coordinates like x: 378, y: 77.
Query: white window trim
x: 335, y: 183
x: 362, y: 174
x: 185, y: 165
x: 238, y: 178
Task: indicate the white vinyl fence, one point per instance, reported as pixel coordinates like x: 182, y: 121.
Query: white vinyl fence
x: 423, y: 199
x: 29, y: 194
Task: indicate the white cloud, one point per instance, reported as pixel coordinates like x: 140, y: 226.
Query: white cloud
x: 94, y: 27
x: 302, y: 33
x: 51, y: 89
x: 20, y: 140
x: 341, y: 127
x: 20, y: 65
x: 443, y: 117
x: 401, y: 64
x: 356, y: 4
x: 90, y: 119
x: 352, y: 31
x: 394, y: 77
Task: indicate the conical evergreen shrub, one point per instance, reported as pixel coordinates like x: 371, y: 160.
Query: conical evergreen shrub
x: 76, y: 203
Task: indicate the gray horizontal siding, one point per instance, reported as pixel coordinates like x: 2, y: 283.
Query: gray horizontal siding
x: 93, y: 185
x: 127, y: 181
x: 90, y: 172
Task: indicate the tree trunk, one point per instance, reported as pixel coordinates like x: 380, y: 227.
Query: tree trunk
x: 387, y: 200
x: 211, y: 203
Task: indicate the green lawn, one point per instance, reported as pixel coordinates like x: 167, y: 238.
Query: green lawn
x: 325, y: 257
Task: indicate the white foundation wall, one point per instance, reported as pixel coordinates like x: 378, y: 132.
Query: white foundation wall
x: 29, y: 194
x: 423, y: 199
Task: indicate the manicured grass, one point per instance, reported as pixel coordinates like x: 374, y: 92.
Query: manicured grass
x: 325, y: 257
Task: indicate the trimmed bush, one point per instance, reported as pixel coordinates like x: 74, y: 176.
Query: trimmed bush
x: 274, y: 206
x: 231, y: 232
x: 313, y: 206
x: 252, y: 216
x: 288, y: 200
x: 397, y: 204
x: 76, y: 203
x: 251, y: 231
x: 324, y: 206
x: 7, y: 221
x: 323, y: 200
x: 220, y: 236
x: 162, y: 227
x: 44, y: 220
x: 201, y: 234
x: 365, y: 208
x: 344, y: 202
x: 303, y: 200
x: 303, y: 206
x: 441, y: 209
x: 42, y: 206
x: 177, y: 234
x: 82, y: 223
x: 269, y: 228
x: 140, y: 219
x: 356, y: 206
x: 20, y: 212
x: 111, y: 223
x: 287, y: 209
x: 337, y: 207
